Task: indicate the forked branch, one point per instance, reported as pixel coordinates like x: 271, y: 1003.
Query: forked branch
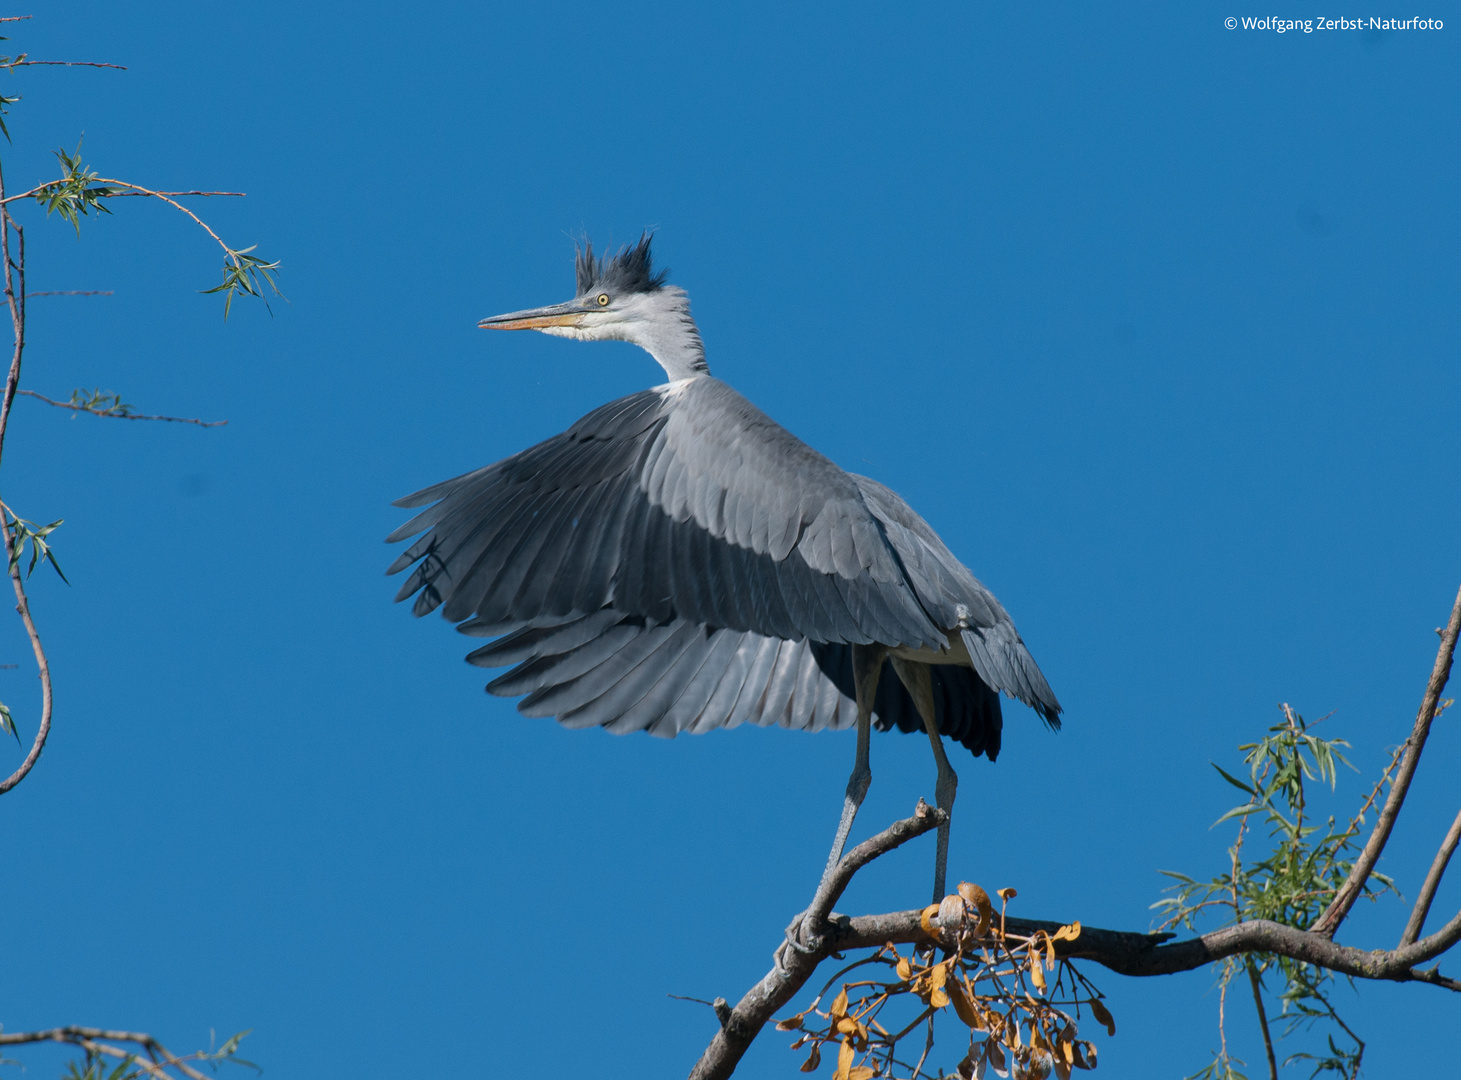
x: 816, y: 935
x: 1350, y: 891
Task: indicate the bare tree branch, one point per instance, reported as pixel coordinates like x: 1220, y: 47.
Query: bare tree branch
x: 71, y: 292
x: 1432, y: 881
x: 1350, y: 891
x: 81, y: 408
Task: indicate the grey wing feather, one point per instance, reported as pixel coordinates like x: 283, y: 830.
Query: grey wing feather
x: 956, y: 599
x: 625, y: 674
x: 681, y: 502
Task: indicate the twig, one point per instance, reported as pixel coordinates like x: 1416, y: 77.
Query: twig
x: 135, y: 193
x: 74, y: 407
x: 719, y: 1006
x: 63, y: 63
x: 1262, y: 1017
x: 141, y: 194
x: 1432, y: 881
x: 1350, y: 891
x: 15, y: 299
x: 71, y: 292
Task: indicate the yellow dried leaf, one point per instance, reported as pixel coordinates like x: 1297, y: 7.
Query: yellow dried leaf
x: 979, y: 900
x: 839, y: 1005
x: 939, y: 998
x: 1006, y: 894
x: 963, y: 1004
x: 862, y: 1072
x: 846, y: 1026
x: 813, y: 1059
x: 971, y: 892
x: 1069, y: 933
x: 1103, y: 1015
x: 844, y: 1060
x: 938, y: 975
x: 1049, y: 953
x: 928, y: 913
x: 1037, y: 973
x: 905, y: 969
x: 791, y: 1023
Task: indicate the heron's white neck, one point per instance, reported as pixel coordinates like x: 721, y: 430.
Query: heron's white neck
x: 658, y: 322
x: 665, y: 330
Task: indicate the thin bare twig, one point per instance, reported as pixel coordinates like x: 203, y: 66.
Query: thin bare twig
x: 1350, y: 891
x: 165, y: 194
x: 71, y: 292
x: 1262, y: 1017
x: 1432, y: 882
x: 75, y: 407
x: 15, y: 299
x: 63, y: 63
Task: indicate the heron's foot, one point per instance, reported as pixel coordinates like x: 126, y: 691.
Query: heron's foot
x: 794, y: 934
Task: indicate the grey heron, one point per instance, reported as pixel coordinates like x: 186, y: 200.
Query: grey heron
x: 677, y: 561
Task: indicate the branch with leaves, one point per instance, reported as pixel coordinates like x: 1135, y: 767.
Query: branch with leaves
x: 76, y: 194
x: 103, y: 403
x: 129, y: 1055
x: 80, y: 190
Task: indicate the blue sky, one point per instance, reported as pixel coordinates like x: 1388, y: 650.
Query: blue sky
x: 1153, y: 320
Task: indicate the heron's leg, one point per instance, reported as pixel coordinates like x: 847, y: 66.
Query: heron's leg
x: 867, y: 665
x: 917, y: 679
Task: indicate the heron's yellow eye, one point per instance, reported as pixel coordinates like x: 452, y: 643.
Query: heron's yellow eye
x: 603, y: 299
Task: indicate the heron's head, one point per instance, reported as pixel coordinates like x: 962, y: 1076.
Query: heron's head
x: 621, y: 298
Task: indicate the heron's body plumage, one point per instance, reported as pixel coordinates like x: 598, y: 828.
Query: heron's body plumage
x: 678, y: 561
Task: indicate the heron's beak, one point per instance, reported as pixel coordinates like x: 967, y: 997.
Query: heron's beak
x: 569, y: 314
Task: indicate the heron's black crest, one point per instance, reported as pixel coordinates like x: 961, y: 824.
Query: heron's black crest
x: 628, y: 270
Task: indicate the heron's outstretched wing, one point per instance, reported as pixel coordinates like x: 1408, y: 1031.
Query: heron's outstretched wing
x: 682, y: 502
x: 626, y: 674
x: 954, y: 598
